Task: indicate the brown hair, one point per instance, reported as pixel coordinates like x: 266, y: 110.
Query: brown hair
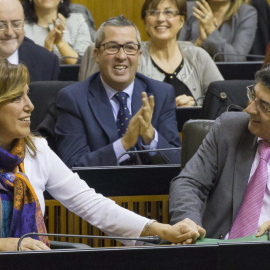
x: 152, y: 4
x: 13, y: 79
x: 232, y: 10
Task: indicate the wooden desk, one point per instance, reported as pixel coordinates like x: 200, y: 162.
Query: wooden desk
x: 142, y: 189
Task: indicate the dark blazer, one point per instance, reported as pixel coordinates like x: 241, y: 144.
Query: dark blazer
x: 86, y: 128
x: 212, y: 185
x: 42, y: 64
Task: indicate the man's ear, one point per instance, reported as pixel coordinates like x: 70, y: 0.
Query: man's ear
x: 96, y: 55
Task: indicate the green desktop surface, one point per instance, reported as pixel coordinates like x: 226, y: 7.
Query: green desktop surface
x: 249, y: 238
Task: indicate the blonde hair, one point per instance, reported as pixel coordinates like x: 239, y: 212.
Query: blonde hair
x: 232, y: 10
x: 13, y: 79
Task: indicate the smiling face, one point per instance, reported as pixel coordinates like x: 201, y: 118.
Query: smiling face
x: 10, y: 40
x: 259, y: 123
x: 161, y: 28
x: 118, y: 70
x: 15, y: 118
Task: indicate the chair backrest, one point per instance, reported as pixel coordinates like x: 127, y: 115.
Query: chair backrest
x: 184, y: 114
x: 69, y: 72
x: 222, y: 94
x: 43, y: 96
x: 193, y: 134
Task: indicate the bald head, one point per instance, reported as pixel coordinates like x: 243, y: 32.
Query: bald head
x: 10, y: 39
x: 11, y: 5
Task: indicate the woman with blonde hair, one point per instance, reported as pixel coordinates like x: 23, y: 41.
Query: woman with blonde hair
x: 28, y: 167
x: 224, y: 28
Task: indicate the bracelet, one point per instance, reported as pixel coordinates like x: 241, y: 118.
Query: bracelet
x: 148, y: 226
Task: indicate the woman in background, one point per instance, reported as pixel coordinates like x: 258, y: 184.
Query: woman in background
x: 224, y: 28
x: 188, y: 68
x: 51, y: 25
x: 28, y: 167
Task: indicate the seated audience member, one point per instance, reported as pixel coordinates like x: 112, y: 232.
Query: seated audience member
x: 224, y: 29
x: 225, y: 186
x: 28, y: 166
x: 50, y: 24
x: 77, y: 8
x: 188, y: 68
x: 95, y: 125
x: 42, y: 65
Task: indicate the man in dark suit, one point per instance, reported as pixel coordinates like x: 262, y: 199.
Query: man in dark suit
x: 214, y: 188
x: 86, y: 128
x: 42, y: 64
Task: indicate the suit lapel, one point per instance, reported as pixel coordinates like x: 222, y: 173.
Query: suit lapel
x: 243, y: 162
x: 102, y: 109
x: 136, y: 103
x: 25, y: 56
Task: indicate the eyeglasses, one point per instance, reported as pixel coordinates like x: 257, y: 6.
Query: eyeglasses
x: 167, y: 13
x: 113, y: 48
x: 15, y: 25
x: 262, y: 105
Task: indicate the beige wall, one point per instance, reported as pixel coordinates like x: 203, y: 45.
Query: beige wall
x: 104, y: 9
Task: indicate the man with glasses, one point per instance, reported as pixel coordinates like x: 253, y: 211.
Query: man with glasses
x: 225, y: 187
x: 42, y: 65
x: 117, y: 110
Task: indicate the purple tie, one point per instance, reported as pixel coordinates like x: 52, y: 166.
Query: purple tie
x: 246, y: 222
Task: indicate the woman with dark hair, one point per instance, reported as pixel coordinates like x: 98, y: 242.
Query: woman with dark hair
x: 225, y: 29
x: 52, y: 25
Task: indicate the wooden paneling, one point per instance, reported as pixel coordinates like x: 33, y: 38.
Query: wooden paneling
x: 104, y: 9
x: 59, y: 220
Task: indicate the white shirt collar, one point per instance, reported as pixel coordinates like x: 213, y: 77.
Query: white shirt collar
x: 111, y: 92
x: 14, y: 58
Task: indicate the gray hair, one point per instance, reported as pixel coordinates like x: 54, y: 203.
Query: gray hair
x: 119, y: 21
x: 263, y: 76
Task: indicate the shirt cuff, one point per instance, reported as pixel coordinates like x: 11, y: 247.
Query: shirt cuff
x: 119, y: 150
x: 152, y: 145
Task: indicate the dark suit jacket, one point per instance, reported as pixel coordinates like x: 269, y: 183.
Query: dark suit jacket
x: 212, y: 185
x: 42, y: 64
x: 86, y: 128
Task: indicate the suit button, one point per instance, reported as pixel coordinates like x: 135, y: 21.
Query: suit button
x: 221, y: 236
x: 223, y: 95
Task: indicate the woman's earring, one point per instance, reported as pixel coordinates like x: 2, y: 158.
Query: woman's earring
x: 62, y: 1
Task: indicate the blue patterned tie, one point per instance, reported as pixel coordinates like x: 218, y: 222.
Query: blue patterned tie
x: 124, y: 114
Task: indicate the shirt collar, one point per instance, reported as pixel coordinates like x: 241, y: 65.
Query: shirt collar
x: 14, y: 58
x: 111, y: 92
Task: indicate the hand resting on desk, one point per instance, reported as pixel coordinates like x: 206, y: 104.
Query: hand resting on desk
x: 183, y: 232
x: 262, y: 229
x: 10, y: 244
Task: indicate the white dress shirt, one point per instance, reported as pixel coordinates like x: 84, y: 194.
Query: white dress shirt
x: 117, y: 145
x: 46, y: 171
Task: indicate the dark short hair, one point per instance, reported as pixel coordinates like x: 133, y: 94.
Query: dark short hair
x: 263, y: 76
x: 119, y: 21
x: 30, y: 14
x: 152, y: 4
